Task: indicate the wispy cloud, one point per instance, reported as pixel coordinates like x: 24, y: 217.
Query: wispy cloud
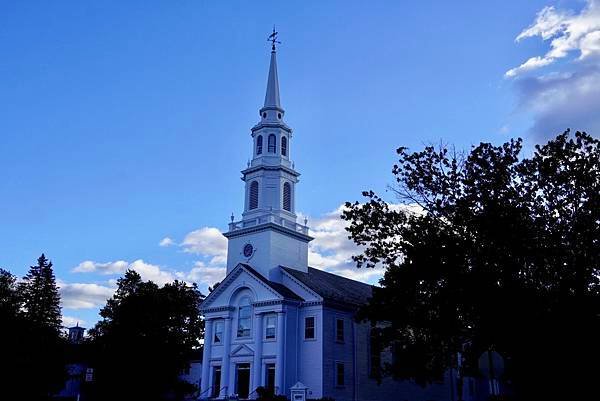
x: 166, y: 242
x: 148, y: 271
x: 567, y: 32
x: 569, y: 96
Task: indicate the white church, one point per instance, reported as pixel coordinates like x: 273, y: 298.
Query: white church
x: 275, y: 322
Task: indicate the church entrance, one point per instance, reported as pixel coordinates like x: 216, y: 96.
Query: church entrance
x: 242, y: 380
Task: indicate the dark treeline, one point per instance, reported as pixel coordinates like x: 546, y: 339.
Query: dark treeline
x: 144, y: 340
x: 33, y: 349
x: 495, y: 252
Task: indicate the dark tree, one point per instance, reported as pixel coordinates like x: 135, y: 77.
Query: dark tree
x: 9, y: 298
x: 32, y: 362
x: 145, y: 339
x: 489, y: 251
x: 41, y: 301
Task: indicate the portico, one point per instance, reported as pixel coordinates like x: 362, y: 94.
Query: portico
x: 245, y: 341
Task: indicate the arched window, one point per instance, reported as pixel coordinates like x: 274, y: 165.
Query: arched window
x: 287, y: 197
x: 259, y: 145
x: 253, y: 199
x: 272, y: 143
x: 244, y: 317
x: 283, y: 146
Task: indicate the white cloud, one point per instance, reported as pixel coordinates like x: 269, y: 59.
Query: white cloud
x: 567, y: 32
x: 84, y: 295
x: 89, y: 266
x: 531, y: 64
x: 152, y: 272
x: 205, y: 241
x: 569, y: 98
x: 332, y: 250
x: 203, y: 274
x: 166, y: 242
x: 146, y: 270
x: 70, y: 321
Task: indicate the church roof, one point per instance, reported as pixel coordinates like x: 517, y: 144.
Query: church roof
x: 335, y: 290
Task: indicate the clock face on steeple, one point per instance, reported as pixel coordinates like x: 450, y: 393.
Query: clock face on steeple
x: 248, y: 250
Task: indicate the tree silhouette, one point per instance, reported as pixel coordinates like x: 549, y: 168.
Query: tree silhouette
x: 41, y: 301
x: 489, y: 251
x: 32, y: 362
x: 145, y: 339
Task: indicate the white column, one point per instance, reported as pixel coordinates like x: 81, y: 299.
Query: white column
x: 225, y: 365
x: 204, y: 385
x: 258, y: 342
x: 280, y: 357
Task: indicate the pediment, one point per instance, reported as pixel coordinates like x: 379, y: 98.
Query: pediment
x: 241, y: 276
x: 242, y: 350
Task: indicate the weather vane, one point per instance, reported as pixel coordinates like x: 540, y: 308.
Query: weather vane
x: 273, y: 39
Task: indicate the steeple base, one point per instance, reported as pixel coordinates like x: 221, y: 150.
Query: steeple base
x: 267, y: 246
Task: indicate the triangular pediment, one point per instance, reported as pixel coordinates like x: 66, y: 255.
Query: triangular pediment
x: 242, y: 275
x: 242, y: 350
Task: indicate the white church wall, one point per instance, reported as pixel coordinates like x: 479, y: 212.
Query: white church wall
x: 271, y: 249
x: 291, y: 348
x: 310, y: 363
x: 334, y: 352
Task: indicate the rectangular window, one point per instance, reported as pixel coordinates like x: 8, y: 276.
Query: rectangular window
x: 339, y: 374
x: 270, y: 377
x: 271, y: 327
x: 244, y: 318
x: 216, y: 381
x: 339, y: 330
x: 309, y: 328
x: 218, y: 328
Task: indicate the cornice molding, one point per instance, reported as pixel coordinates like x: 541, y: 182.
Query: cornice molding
x: 252, y: 169
x: 268, y: 226
x: 217, y: 309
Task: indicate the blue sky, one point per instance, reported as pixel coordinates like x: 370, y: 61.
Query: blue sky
x: 125, y: 124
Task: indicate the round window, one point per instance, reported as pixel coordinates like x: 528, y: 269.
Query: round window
x: 248, y: 250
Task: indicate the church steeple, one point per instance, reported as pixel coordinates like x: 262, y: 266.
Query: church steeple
x: 272, y: 100
x: 268, y: 222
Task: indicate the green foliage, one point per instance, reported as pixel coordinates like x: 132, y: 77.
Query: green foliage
x: 32, y: 362
x: 145, y: 338
x: 489, y: 251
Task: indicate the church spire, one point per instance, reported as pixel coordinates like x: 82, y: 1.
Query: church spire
x: 272, y: 95
x: 268, y: 235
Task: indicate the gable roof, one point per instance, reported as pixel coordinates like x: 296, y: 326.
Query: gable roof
x: 335, y: 290
x: 277, y: 288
